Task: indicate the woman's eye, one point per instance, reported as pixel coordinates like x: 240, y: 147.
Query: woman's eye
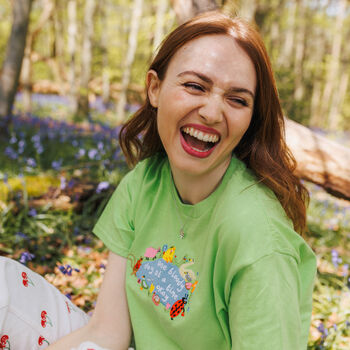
x: 194, y: 86
x: 240, y: 101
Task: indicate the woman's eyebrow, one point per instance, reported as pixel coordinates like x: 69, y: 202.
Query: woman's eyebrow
x: 199, y: 75
x: 209, y: 81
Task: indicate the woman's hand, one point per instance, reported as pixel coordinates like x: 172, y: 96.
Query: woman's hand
x: 109, y: 326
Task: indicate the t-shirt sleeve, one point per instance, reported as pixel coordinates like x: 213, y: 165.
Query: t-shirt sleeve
x: 115, y: 227
x: 264, y: 306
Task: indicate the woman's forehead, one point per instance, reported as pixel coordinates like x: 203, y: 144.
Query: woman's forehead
x: 218, y: 56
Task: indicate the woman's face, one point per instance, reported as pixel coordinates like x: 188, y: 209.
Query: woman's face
x: 204, y: 104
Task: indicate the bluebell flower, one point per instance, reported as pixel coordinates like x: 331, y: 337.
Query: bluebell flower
x: 66, y: 270
x: 13, y: 139
x: 63, y: 183
x: 36, y: 138
x: 322, y: 330
x: 31, y: 162
x: 32, y: 212
x: 25, y: 257
x: 80, y: 154
x: 56, y: 164
x: 100, y: 146
x: 40, y: 149
x: 20, y: 235
x: 102, y: 186
x: 92, y: 153
x: 335, y: 258
x: 21, y: 145
x: 10, y: 152
x: 71, y: 183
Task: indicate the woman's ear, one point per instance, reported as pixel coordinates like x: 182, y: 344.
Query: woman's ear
x: 153, y: 87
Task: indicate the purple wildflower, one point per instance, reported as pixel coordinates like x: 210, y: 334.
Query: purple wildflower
x: 92, y: 153
x: 31, y: 162
x: 67, y: 269
x: 335, y: 258
x: 323, y: 330
x: 63, y: 183
x: 21, y: 145
x: 25, y: 257
x: 10, y: 152
x: 102, y: 186
x: 32, y: 212
x: 56, y: 164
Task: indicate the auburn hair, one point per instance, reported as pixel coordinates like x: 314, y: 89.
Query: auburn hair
x: 262, y: 148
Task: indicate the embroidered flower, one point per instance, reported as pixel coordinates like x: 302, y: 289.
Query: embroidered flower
x: 26, y: 280
x: 4, y: 342
x: 41, y: 340
x: 45, y: 319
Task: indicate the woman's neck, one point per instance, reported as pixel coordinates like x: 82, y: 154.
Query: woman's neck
x: 192, y: 189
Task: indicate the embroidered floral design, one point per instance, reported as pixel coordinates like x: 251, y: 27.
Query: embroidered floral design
x: 45, y: 319
x: 26, y: 280
x: 168, y: 280
x: 5, y: 342
x: 42, y: 340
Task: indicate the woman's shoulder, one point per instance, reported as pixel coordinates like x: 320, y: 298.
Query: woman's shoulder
x: 253, y: 218
x: 146, y: 169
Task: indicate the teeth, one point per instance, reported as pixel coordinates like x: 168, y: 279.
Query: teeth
x: 201, y: 135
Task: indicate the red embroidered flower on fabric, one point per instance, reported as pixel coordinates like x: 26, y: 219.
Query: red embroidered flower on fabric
x: 41, y: 340
x: 4, y: 342
x: 26, y: 280
x: 45, y: 319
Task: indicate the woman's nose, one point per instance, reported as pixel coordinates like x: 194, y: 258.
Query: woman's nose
x: 211, y: 109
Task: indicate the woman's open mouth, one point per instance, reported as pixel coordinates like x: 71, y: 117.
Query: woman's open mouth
x: 198, y: 143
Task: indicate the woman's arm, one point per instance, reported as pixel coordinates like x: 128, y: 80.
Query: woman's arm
x: 265, y: 310
x: 109, y: 326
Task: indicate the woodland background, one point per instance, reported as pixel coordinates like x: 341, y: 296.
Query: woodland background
x: 83, y: 66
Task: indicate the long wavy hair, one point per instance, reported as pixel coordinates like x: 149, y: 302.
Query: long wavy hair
x: 262, y: 148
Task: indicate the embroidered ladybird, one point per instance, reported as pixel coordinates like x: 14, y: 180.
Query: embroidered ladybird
x: 178, y: 307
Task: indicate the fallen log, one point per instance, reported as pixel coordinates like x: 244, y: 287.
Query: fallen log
x: 320, y: 160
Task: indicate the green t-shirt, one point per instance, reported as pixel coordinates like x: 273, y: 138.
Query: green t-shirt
x: 241, y: 278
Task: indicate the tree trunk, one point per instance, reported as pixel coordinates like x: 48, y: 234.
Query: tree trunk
x: 287, y: 49
x: 299, y: 52
x: 186, y: 9
x: 332, y: 78
x: 26, y: 75
x: 58, y: 54
x: 132, y: 44
x: 320, y: 160
x: 72, y: 39
x: 159, y: 30
x: 337, y: 102
x: 104, y: 5
x: 13, y: 58
x: 86, y: 58
x: 247, y: 9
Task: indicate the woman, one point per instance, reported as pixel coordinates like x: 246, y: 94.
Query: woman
x: 204, y: 249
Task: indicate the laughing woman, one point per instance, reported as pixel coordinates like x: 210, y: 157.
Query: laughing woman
x: 205, y: 232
